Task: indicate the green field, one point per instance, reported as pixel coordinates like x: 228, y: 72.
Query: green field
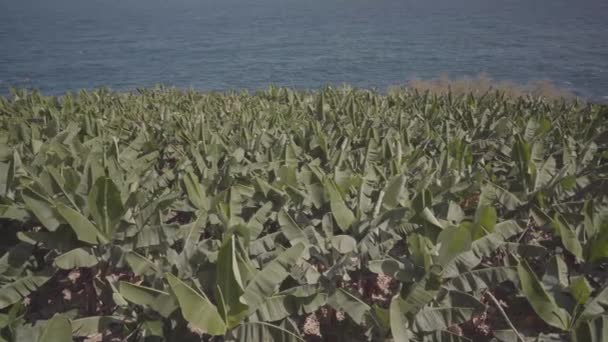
x: 280, y: 215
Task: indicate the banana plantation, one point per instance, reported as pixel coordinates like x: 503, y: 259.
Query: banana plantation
x: 282, y: 215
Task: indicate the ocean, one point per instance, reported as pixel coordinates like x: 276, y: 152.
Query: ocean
x: 66, y: 45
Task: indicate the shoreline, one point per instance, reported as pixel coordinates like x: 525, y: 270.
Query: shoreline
x: 440, y: 90
x: 478, y: 85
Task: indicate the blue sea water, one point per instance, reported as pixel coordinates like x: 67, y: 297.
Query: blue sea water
x: 63, y: 45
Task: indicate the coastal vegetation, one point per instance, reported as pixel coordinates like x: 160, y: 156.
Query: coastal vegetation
x: 482, y: 84
x: 282, y: 215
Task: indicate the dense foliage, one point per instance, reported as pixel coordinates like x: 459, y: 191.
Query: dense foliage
x: 339, y: 215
